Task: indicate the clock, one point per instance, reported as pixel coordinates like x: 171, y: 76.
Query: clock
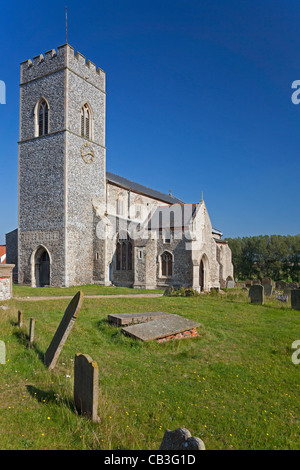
x: 87, y: 153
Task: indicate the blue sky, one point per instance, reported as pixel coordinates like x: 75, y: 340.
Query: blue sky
x: 198, y: 99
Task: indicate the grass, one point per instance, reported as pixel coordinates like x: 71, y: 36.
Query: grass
x: 234, y: 386
x: 89, y: 289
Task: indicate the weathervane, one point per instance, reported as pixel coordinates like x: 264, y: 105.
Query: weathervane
x: 66, y: 25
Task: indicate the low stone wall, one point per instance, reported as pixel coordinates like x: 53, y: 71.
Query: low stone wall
x: 6, y: 281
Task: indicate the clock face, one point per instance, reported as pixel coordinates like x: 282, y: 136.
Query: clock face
x: 87, y: 153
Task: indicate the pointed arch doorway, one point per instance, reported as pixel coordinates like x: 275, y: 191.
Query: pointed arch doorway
x: 203, y: 273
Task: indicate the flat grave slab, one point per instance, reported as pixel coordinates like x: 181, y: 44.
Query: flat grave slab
x: 172, y: 326
x: 120, y: 319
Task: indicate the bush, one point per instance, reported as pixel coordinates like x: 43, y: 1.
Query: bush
x: 181, y: 292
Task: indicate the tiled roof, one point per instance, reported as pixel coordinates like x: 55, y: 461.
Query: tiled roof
x: 139, y: 188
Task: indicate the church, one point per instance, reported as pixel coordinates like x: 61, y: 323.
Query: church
x: 80, y: 224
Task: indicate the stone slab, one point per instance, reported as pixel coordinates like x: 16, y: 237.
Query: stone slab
x: 160, y: 328
x: 121, y: 319
x: 63, y: 330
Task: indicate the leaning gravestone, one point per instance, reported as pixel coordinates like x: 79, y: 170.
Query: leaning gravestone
x: 86, y: 386
x: 295, y: 299
x: 256, y: 294
x: 62, y: 332
x: 181, y: 439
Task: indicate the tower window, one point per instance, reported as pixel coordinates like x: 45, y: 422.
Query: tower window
x: 43, y: 118
x: 85, y: 122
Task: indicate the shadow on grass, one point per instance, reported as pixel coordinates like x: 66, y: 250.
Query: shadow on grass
x: 50, y: 396
x: 23, y: 338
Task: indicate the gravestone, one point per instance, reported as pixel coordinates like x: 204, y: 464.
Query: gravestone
x: 86, y: 386
x: 2, y: 353
x: 266, y: 280
x: 63, y: 330
x: 31, y: 331
x: 268, y: 289
x: 255, y: 282
x: 167, y: 327
x: 230, y: 284
x: 122, y: 319
x: 295, y: 299
x: 256, y: 294
x: 181, y: 439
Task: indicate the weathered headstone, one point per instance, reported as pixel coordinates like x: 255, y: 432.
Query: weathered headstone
x: 122, y: 319
x: 295, y: 299
x: 268, y: 289
x: 230, y: 284
x: 20, y: 319
x: 181, y: 439
x: 256, y: 294
x: 266, y: 280
x: 167, y: 327
x: 86, y: 386
x: 2, y: 353
x: 63, y: 330
x: 31, y: 331
x: 288, y: 292
x: 255, y: 282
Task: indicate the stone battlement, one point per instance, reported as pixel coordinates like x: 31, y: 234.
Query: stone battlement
x: 54, y: 61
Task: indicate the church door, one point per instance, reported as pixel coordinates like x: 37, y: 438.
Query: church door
x: 42, y: 268
x: 201, y: 276
x: 45, y: 270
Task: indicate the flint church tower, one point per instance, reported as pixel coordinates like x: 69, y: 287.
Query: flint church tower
x: 61, y: 167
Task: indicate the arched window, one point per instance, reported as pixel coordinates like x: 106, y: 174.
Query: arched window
x: 166, y: 264
x: 85, y: 122
x: 43, y: 118
x: 124, y: 254
x: 120, y: 206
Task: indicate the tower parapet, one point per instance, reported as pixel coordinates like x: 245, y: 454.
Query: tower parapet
x: 64, y: 58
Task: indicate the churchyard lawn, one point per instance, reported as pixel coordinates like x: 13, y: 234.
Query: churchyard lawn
x: 234, y: 386
x: 89, y: 289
